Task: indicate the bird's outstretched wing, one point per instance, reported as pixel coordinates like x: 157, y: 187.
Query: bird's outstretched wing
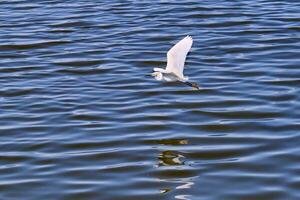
x: 176, y: 56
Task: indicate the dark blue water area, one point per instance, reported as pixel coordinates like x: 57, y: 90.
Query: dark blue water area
x: 80, y: 120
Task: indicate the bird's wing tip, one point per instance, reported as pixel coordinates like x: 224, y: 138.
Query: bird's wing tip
x: 189, y: 37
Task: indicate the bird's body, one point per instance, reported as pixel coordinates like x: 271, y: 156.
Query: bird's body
x: 176, y: 58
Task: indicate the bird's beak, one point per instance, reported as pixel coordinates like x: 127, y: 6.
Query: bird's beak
x: 147, y: 75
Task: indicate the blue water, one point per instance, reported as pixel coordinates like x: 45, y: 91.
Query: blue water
x: 80, y: 120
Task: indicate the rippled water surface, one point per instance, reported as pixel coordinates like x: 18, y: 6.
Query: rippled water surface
x: 80, y: 120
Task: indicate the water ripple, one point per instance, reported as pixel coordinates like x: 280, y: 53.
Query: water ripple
x: 79, y: 119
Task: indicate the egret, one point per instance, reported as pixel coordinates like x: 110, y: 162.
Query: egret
x: 175, y: 64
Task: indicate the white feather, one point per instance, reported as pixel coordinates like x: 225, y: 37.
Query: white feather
x: 176, y: 57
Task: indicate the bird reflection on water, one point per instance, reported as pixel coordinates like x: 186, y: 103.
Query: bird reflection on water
x: 175, y: 169
x: 169, y: 158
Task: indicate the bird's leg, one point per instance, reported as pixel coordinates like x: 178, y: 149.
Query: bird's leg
x: 191, y: 84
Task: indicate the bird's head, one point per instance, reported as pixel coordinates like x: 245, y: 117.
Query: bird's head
x: 157, y: 75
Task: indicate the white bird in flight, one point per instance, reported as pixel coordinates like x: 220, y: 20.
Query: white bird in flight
x: 175, y: 63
